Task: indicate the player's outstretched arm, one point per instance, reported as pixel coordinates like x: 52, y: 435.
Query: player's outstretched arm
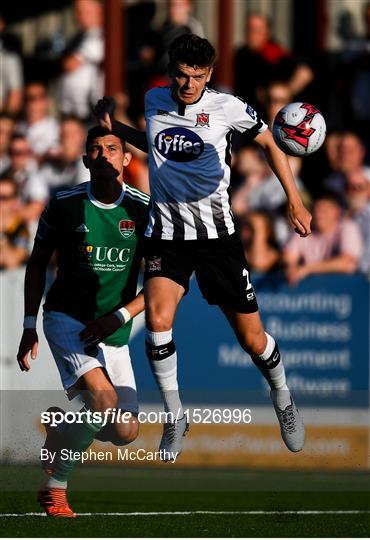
x: 34, y: 286
x: 104, y: 112
x: 299, y: 216
x: 96, y: 331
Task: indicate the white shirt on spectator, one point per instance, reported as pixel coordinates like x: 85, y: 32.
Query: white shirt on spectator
x: 42, y: 136
x: 11, y: 75
x: 53, y: 176
x: 81, y: 88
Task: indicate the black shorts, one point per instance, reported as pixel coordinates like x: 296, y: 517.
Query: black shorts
x: 220, y: 267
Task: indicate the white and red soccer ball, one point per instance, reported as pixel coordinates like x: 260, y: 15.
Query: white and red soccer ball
x: 299, y: 129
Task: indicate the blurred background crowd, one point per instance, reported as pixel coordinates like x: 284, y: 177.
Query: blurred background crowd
x: 50, y: 79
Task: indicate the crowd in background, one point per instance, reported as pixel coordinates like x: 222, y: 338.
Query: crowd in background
x: 45, y: 113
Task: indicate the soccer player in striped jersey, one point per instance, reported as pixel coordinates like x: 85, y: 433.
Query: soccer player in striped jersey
x: 96, y: 229
x: 191, y: 227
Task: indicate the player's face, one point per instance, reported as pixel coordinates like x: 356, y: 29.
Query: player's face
x: 106, y: 157
x: 189, y: 82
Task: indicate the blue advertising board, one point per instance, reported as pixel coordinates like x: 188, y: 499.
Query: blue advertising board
x: 321, y: 325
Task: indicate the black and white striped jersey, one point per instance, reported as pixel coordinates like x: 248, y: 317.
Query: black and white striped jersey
x: 189, y: 162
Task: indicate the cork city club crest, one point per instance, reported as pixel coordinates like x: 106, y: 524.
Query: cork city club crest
x: 126, y: 227
x: 202, y: 119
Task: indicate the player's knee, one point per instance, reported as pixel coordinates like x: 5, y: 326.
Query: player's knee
x: 158, y: 320
x: 254, y: 343
x: 125, y: 432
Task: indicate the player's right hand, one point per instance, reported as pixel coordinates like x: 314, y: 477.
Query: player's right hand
x: 104, y: 112
x: 29, y: 343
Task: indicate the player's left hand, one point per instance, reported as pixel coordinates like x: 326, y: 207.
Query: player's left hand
x: 104, y: 112
x: 300, y: 218
x: 96, y: 331
x: 29, y: 344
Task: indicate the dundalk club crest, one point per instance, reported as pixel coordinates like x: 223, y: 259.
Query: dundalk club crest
x: 202, y: 119
x: 126, y: 227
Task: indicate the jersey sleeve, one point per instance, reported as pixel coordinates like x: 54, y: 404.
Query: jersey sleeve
x: 47, y: 227
x: 242, y: 117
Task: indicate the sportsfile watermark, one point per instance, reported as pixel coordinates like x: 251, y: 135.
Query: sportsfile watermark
x: 117, y: 416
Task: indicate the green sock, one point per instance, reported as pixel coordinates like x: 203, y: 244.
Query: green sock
x: 77, y: 438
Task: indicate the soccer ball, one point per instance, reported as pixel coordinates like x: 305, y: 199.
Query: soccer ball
x: 299, y: 129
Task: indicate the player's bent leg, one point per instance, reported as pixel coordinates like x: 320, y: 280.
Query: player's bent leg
x: 265, y: 354
x: 77, y: 437
x: 162, y: 296
x: 120, y: 433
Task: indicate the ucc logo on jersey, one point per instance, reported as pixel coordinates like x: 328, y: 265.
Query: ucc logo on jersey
x: 126, y: 227
x: 202, y: 120
x: 179, y: 144
x: 112, y: 254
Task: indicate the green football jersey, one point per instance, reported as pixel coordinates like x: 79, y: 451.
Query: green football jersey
x: 99, y: 250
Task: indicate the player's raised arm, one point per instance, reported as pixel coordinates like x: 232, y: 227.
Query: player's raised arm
x: 299, y: 216
x: 104, y: 112
x: 34, y: 286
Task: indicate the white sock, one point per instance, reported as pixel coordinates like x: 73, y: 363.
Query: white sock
x: 275, y: 376
x: 163, y: 362
x: 53, y: 483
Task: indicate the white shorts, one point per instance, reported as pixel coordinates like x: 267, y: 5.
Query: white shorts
x: 62, y: 334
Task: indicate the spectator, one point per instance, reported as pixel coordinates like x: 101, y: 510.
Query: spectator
x: 332, y: 148
x: 358, y: 204
x: 334, y: 246
x: 143, y: 49
x: 22, y: 169
x: 6, y: 130
x: 278, y: 95
x: 259, y: 242
x: 11, y: 77
x: 179, y: 21
x: 261, y: 190
x: 14, y: 235
x: 354, y: 72
x: 350, y: 159
x: 22, y: 164
x: 80, y: 85
x: 267, y: 61
x: 251, y: 168
x: 65, y: 169
x: 41, y: 129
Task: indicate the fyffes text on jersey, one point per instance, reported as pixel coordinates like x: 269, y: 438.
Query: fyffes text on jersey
x: 179, y: 144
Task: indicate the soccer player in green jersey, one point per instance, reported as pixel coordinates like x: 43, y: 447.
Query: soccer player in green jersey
x: 96, y: 229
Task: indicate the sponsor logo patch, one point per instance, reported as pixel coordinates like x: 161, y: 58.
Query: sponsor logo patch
x: 126, y: 227
x: 86, y: 251
x: 154, y: 265
x: 252, y: 113
x: 202, y: 120
x: 179, y: 144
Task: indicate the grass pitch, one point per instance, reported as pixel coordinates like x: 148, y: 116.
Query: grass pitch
x: 173, y: 498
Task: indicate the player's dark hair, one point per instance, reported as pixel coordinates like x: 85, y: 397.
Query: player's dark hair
x: 191, y: 50
x: 98, y: 131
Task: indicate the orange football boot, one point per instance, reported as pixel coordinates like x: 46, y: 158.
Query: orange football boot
x: 54, y: 502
